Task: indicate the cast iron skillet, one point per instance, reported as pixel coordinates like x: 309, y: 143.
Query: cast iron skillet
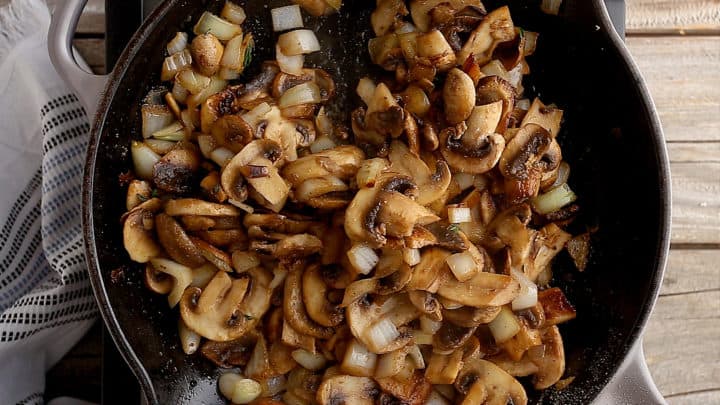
x: 611, y: 138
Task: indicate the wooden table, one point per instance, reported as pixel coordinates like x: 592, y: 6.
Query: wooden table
x: 676, y: 43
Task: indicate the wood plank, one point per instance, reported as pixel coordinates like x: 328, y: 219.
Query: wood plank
x: 92, y: 20
x: 682, y: 343
x: 673, y: 16
x: 685, y: 152
x: 694, y: 398
x: 683, y: 74
x: 93, y: 51
x: 696, y: 203
x: 688, y: 271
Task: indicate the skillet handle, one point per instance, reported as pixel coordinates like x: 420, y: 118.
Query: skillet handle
x: 632, y: 383
x: 86, y: 85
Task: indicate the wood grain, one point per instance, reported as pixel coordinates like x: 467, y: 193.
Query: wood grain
x: 673, y: 16
x: 683, y: 74
x: 93, y: 51
x: 688, y: 271
x: 92, y: 20
x: 696, y: 203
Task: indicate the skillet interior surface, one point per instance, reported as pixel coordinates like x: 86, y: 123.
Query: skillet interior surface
x: 609, y: 137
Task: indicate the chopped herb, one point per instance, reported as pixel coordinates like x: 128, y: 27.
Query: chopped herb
x: 154, y: 193
x: 522, y: 32
x: 454, y: 228
x: 249, y: 48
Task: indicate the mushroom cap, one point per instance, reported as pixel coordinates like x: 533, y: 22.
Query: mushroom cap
x: 497, y: 386
x: 470, y: 152
x: 206, y: 51
x: 458, y: 96
x: 484, y: 289
x: 431, y: 186
x: 318, y: 306
x: 176, y: 172
x: 138, y: 241
x: 420, y: 10
x: 176, y: 242
x: 345, y: 389
x: 363, y: 314
x: 496, y: 27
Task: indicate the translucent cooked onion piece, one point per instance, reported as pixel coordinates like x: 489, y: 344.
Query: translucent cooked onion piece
x: 504, y: 326
x: 311, y: 361
x: 363, y: 258
x: 233, y: 13
x: 286, y: 18
x: 237, y: 389
x: 306, y: 93
x: 462, y: 265
x: 382, y: 333
x: 155, y: 118
x: 459, y: 215
x: 528, y: 296
x: 143, y: 160
x: 551, y: 7
x: 292, y: 65
x: 321, y: 144
x: 192, y: 81
x: 178, y: 43
x: 175, y: 63
x: 358, y: 360
x: 554, y: 199
x: 209, y: 23
x: 298, y: 42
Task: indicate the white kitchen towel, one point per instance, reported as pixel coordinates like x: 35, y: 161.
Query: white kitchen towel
x: 46, y: 304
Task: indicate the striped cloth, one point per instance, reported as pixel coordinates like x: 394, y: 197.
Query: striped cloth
x: 46, y: 302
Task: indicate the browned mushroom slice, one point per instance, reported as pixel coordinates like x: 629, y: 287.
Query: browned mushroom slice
x: 258, y: 88
x: 316, y: 8
x: 385, y: 52
x: 176, y: 242
x: 231, y: 353
x: 342, y: 162
x: 295, y: 310
x: 492, y: 89
x: 223, y: 237
x: 324, y: 193
x: 217, y: 257
x: 219, y: 104
x: 431, y: 186
x: 363, y: 134
x: 195, y: 207
x: 468, y: 316
x: 376, y: 321
x: 293, y: 338
x: 232, y: 132
x: 258, y: 366
x: 345, y: 389
x: 470, y: 152
x: 556, y: 308
x: 279, y: 223
x: 384, y: 285
x: 427, y: 304
x: 548, y: 242
x: 412, y: 391
x: 138, y: 192
x: 453, y: 22
x: 157, y: 281
x: 176, y: 171
x: 511, y: 53
x: 458, y: 96
x: 421, y: 10
x: 495, y: 28
x: 547, y: 117
x: 225, y: 309
x: 436, y: 48
x: 280, y: 358
x: 520, y: 368
x: 290, y: 248
x: 387, y: 15
x: 318, y: 306
x: 399, y: 214
x: 579, y: 249
x: 194, y: 223
x: 484, y: 289
x: 485, y: 383
x: 420, y: 238
x: 137, y: 238
x: 260, y: 153
x: 444, y: 368
x: 530, y: 154
x: 426, y: 274
x: 551, y: 363
x: 450, y: 337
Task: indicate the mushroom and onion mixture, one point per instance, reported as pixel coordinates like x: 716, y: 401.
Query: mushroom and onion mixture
x: 402, y: 257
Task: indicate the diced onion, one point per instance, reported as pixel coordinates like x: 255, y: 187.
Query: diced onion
x: 321, y: 144
x: 173, y: 132
x: 366, y: 89
x: 257, y: 114
x: 192, y: 81
x: 189, y: 339
x: 316, y: 187
x: 209, y: 23
x: 464, y: 180
x: 504, y: 326
x: 496, y: 68
x: 363, y: 258
x: 554, y: 199
x: 233, y: 13
x: 233, y: 57
x: 369, y: 171
x: 292, y: 65
x: 286, y: 18
x: 222, y: 156
x: 237, y: 389
x: 382, y: 333
x: 390, y: 364
x: 207, y: 144
x: 306, y: 93
x: 405, y: 28
x: 155, y: 118
x: 178, y: 43
x: 143, y: 160
x: 175, y: 63
x: 551, y: 6
x: 528, y: 296
x: 244, y: 261
x: 216, y: 85
x: 279, y: 275
x: 358, y: 360
x: 436, y: 399
x: 459, y: 215
x: 179, y: 92
x: 462, y: 265
x: 228, y: 74
x: 523, y: 104
x: 563, y: 175
x: 428, y: 325
x: 298, y: 42
x: 411, y: 256
x: 311, y: 361
x: 159, y: 146
x: 422, y: 338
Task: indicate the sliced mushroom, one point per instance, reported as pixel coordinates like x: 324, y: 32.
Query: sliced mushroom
x: 137, y: 239
x: 492, y: 89
x: 470, y: 316
x: 399, y: 214
x: 342, y: 162
x: 176, y: 172
x: 412, y: 391
x: 547, y: 243
x: 380, y: 285
x: 157, y: 281
x: 459, y: 96
x: 484, y: 289
x: 316, y: 8
x: 290, y: 248
x: 195, y: 207
x: 547, y: 117
x: 225, y: 309
x: 259, y: 87
x: 232, y: 132
x: 182, y: 277
x: 431, y: 186
x: 470, y: 152
x: 426, y: 274
x: 139, y: 191
x: 485, y: 383
x: 206, y: 51
x: 427, y: 304
x: 345, y: 389
x: 495, y: 28
x: 176, y: 242
x: 217, y: 257
x: 376, y: 321
x: 387, y: 15
x: 260, y: 153
x: 231, y: 353
x: 444, y: 368
x: 225, y: 102
x: 436, y: 48
x: 551, y: 363
x: 421, y: 10
x: 556, y: 308
x: 453, y: 22
x: 318, y: 306
x: 279, y: 223
x: 295, y: 310
x: 530, y: 154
